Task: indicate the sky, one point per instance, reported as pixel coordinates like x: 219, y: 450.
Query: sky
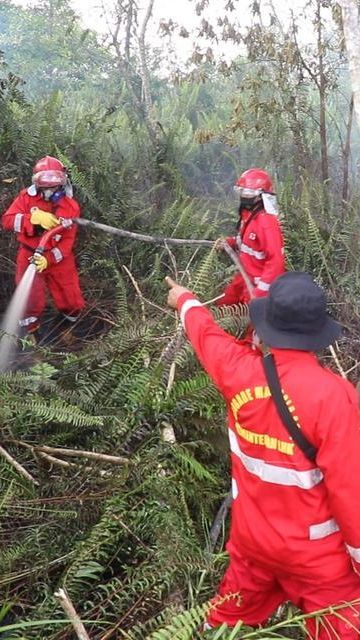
x: 182, y: 12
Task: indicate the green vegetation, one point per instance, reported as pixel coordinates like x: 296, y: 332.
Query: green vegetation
x: 130, y: 542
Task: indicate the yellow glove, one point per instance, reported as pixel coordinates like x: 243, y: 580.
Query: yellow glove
x: 45, y: 219
x: 40, y: 262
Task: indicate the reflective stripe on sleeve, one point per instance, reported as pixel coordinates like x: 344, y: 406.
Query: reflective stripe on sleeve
x: 57, y: 254
x: 26, y: 321
x: 323, y: 529
x: 18, y: 222
x: 354, y: 552
x: 272, y: 473
x: 234, y: 489
x: 259, y: 255
x: 263, y: 286
x: 189, y: 304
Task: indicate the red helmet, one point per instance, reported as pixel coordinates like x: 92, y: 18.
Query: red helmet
x: 49, y: 172
x: 255, y: 180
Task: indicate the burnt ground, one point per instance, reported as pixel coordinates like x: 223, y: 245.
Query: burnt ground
x: 56, y: 334
x: 59, y: 336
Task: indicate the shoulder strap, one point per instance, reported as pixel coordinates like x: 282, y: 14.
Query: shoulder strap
x: 274, y: 385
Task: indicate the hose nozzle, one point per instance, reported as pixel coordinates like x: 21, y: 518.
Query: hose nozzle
x: 66, y: 222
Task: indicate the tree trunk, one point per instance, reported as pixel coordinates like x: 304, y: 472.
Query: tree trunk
x: 351, y: 25
x: 145, y: 76
x: 346, y: 158
x: 322, y: 97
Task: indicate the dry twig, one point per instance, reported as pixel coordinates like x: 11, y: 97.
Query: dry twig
x: 337, y: 362
x: 78, y: 453
x: 72, y: 453
x: 70, y: 611
x: 19, y: 468
x: 138, y: 291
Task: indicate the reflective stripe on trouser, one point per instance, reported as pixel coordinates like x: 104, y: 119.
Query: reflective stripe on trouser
x: 25, y: 322
x: 354, y: 552
x: 62, y: 281
x: 323, y: 529
x: 263, y: 286
x: 70, y: 318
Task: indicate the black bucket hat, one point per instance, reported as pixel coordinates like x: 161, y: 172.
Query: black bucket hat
x: 293, y: 316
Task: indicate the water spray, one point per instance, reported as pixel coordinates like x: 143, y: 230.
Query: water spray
x: 10, y: 326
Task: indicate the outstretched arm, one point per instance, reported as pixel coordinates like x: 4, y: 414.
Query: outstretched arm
x: 218, y: 352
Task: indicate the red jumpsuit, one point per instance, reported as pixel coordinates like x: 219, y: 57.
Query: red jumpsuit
x: 61, y: 275
x: 295, y: 530
x: 260, y: 247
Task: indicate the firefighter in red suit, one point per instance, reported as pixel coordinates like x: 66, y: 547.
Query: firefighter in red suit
x: 259, y: 242
x: 34, y: 211
x: 295, y: 528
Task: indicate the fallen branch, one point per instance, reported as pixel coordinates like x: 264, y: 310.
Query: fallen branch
x: 142, y: 297
x: 72, y: 453
x: 70, y: 611
x: 138, y: 291
x: 337, y: 362
x: 19, y: 468
x: 352, y: 368
x: 78, y: 453
x: 52, y: 460
x: 67, y: 465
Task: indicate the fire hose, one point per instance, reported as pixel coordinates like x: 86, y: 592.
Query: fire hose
x: 115, y: 231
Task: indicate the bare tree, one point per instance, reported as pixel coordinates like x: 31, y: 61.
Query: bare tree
x: 321, y: 83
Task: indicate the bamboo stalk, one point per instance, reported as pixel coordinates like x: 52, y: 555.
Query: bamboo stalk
x: 71, y: 613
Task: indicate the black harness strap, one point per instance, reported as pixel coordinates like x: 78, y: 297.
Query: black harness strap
x: 274, y: 385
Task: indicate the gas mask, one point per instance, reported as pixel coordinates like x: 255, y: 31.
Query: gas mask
x: 251, y: 204
x: 47, y: 193
x: 53, y: 194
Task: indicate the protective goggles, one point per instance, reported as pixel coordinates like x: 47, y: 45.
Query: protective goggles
x: 243, y: 192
